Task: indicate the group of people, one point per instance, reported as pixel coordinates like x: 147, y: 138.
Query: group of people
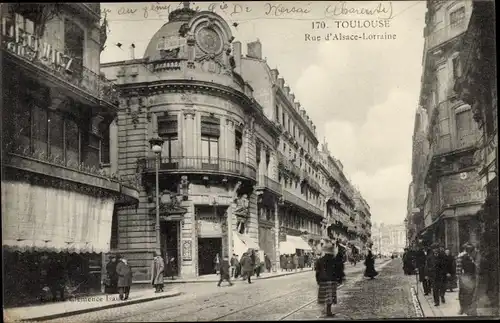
x: 438, y: 271
x: 248, y: 265
x: 119, y: 277
x: 119, y: 274
x: 294, y: 262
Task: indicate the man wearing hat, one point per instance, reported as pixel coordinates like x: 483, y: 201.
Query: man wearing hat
x: 329, y: 273
x: 124, y: 277
x: 438, y: 271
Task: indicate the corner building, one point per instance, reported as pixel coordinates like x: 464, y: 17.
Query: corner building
x: 185, y: 91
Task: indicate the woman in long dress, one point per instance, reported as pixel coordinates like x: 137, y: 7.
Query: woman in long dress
x: 467, y: 282
x: 329, y: 273
x: 370, y: 266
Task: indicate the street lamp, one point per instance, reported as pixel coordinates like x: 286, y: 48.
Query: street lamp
x: 156, y: 144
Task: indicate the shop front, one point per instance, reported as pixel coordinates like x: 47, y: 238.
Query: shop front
x: 53, y: 237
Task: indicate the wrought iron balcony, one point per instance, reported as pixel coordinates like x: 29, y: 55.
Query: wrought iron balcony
x: 66, y: 72
x: 202, y: 165
x: 264, y: 181
x: 301, y: 203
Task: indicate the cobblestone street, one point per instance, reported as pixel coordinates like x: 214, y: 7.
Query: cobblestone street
x: 284, y: 298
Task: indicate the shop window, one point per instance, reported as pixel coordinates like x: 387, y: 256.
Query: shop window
x: 40, y: 129
x: 74, y: 38
x: 56, y: 134
x: 22, y: 123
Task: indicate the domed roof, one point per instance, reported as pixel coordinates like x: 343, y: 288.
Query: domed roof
x: 176, y: 19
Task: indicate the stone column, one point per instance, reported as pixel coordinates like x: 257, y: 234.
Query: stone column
x: 188, y: 133
x: 276, y: 236
x: 223, y: 139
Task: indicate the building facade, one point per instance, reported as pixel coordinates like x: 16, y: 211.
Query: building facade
x: 476, y: 86
x: 58, y: 194
x: 453, y: 194
x: 238, y: 166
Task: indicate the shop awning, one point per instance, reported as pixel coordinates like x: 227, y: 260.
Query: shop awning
x: 287, y: 248
x: 242, y: 242
x: 299, y: 243
x: 37, y: 218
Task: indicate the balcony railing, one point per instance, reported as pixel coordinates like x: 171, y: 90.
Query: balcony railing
x: 77, y: 75
x: 203, y: 164
x: 264, y: 181
x: 300, y: 202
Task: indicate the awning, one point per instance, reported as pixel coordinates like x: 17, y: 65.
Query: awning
x: 242, y: 242
x: 287, y: 248
x: 48, y: 219
x: 299, y: 243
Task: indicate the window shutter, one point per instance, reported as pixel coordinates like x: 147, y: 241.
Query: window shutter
x: 167, y: 126
x: 210, y: 126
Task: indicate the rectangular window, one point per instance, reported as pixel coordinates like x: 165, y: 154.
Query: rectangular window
x: 56, y: 135
x: 465, y: 128
x: 105, y: 146
x: 277, y: 113
x: 456, y: 67
x: 40, y: 129
x: 210, y: 126
x: 92, y: 150
x: 74, y: 38
x: 283, y: 118
x: 170, y: 149
x: 22, y: 123
x: 210, y: 150
x: 457, y: 17
x: 238, y: 138
x: 72, y: 143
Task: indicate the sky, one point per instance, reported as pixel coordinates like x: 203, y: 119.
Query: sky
x: 361, y: 95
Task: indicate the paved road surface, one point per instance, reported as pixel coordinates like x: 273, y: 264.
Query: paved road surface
x: 289, y: 297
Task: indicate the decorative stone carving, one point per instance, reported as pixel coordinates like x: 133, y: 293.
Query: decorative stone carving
x: 189, y: 113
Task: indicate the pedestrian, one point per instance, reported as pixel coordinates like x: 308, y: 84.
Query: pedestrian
x: 224, y: 272
x: 247, y: 267
x: 237, y: 271
x: 217, y: 263
x: 427, y: 284
x: 268, y: 262
x: 438, y: 271
x: 282, y: 262
x: 157, y: 272
x: 233, y: 265
x: 295, y: 260
x: 124, y: 277
x: 467, y: 281
x: 406, y: 262
x: 170, y: 268
x: 257, y: 264
x: 451, y: 263
x: 370, y: 266
x: 301, y: 262
x: 329, y: 273
x: 111, y: 287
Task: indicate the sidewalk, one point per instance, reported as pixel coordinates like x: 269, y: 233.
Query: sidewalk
x: 449, y: 309
x: 215, y: 278
x: 88, y: 304
x: 81, y: 305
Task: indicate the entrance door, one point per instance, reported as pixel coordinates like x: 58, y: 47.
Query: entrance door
x: 170, y: 247
x: 208, y: 248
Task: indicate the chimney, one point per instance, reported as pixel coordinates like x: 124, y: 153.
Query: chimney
x: 297, y: 105
x: 292, y: 97
x: 281, y: 82
x: 237, y: 56
x: 287, y: 90
x: 132, y: 51
x: 274, y: 74
x: 254, y: 49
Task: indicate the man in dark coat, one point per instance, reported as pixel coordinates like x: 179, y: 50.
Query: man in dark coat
x: 124, y: 277
x: 329, y: 273
x: 224, y: 272
x: 370, y: 266
x: 451, y: 283
x: 233, y: 265
x: 112, y: 286
x: 421, y: 260
x: 438, y: 271
x: 267, y: 260
x: 257, y: 264
x: 247, y: 267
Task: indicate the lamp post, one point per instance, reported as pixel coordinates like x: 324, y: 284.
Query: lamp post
x: 156, y: 144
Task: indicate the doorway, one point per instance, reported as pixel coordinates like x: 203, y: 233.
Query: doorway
x: 170, y: 247
x: 208, y: 248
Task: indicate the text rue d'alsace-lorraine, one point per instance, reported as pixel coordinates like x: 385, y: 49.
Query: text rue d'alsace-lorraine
x: 241, y: 161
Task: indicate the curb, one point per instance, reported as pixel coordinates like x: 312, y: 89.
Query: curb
x: 104, y: 307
